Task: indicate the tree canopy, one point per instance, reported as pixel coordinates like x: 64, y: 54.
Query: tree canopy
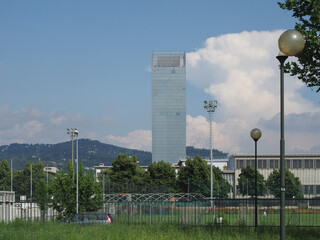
x: 21, y: 179
x: 246, y: 182
x: 292, y: 184
x: 195, y: 177
x: 307, y: 13
x: 163, y: 175
x: 63, y: 189
x: 4, y: 176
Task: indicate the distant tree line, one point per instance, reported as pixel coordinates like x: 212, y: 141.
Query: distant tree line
x: 126, y: 176
x: 271, y: 185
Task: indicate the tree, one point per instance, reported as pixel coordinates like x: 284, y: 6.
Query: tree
x: 42, y: 197
x: 308, y: 15
x: 246, y: 182
x: 90, y: 191
x: 21, y: 179
x: 221, y: 187
x: 63, y: 190
x: 5, y: 176
x: 126, y: 174
x: 196, y: 173
x: 162, y: 175
x: 195, y: 177
x: 292, y: 184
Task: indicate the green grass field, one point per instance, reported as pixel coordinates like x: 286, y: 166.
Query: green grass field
x: 19, y: 229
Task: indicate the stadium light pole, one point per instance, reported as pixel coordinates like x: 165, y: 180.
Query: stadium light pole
x: 73, y: 132
x: 255, y: 135
x: 11, y: 180
x: 72, y: 135
x: 210, y: 107
x: 76, y: 133
x: 291, y: 42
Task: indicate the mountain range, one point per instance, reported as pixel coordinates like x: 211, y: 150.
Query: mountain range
x: 91, y: 153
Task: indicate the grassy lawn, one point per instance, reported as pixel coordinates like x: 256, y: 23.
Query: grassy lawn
x: 34, y: 230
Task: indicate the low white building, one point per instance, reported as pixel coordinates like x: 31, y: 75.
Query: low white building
x: 304, y: 166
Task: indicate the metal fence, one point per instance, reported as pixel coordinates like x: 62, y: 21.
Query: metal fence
x: 10, y: 211
x: 220, y: 212
x: 223, y: 212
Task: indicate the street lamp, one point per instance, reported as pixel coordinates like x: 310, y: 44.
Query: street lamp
x: 210, y: 108
x: 291, y: 42
x: 255, y: 135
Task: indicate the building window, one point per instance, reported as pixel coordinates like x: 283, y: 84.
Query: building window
x: 317, y: 163
x: 288, y: 165
x: 276, y: 163
x: 296, y: 163
x: 317, y: 189
x: 271, y: 163
x: 264, y: 163
x: 308, y: 163
x: 240, y: 164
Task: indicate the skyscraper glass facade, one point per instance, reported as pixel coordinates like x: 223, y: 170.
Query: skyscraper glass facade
x: 168, y: 106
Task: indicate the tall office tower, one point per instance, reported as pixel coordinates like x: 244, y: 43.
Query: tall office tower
x: 168, y: 106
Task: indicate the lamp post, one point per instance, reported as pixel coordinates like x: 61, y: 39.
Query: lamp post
x: 291, y: 42
x: 73, y: 132
x: 210, y: 108
x: 255, y: 135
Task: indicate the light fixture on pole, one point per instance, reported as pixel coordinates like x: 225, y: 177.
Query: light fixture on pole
x: 210, y: 108
x: 73, y: 132
x: 255, y: 135
x: 72, y: 135
x: 291, y: 42
x: 76, y: 133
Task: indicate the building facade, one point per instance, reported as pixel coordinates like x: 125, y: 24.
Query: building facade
x: 168, y: 106
x: 304, y: 166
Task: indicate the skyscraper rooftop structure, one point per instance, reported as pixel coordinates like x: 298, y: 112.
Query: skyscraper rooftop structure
x: 168, y: 106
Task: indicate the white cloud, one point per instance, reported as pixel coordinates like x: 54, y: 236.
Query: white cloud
x: 240, y: 71
x: 138, y: 139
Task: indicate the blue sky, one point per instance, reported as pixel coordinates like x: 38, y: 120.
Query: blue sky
x: 86, y: 64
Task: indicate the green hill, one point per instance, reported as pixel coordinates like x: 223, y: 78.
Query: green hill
x: 91, y: 153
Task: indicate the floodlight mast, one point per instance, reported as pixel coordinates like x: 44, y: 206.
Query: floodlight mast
x: 210, y: 108
x: 73, y: 132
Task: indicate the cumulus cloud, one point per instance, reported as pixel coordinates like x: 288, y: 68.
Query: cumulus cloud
x: 240, y: 71
x: 29, y: 125
x: 138, y: 139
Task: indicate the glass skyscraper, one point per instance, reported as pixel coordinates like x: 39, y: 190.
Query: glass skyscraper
x: 168, y: 106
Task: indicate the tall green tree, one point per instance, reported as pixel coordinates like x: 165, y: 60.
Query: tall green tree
x: 126, y: 175
x: 162, y: 176
x: 292, y: 184
x: 22, y: 179
x: 90, y: 191
x: 221, y: 187
x: 246, y: 182
x: 307, y: 13
x: 63, y: 189
x: 194, y: 175
x: 5, y: 176
x: 42, y: 197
